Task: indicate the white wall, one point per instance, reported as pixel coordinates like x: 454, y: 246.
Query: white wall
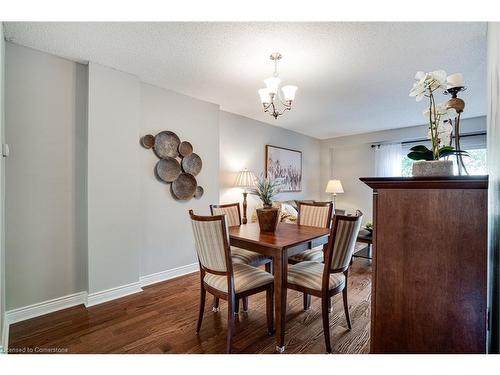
x: 166, y: 230
x: 353, y: 158
x: 494, y: 185
x: 114, y: 187
x: 242, y: 145
x: 2, y: 188
x: 44, y: 123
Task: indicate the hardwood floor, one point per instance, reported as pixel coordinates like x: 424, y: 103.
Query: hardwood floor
x: 162, y: 319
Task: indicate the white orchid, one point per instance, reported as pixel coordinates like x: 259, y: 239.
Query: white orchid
x: 441, y: 123
x: 426, y: 83
x: 443, y: 112
x: 443, y: 133
x: 439, y: 116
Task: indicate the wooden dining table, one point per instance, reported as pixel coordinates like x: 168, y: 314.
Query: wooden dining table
x: 286, y: 241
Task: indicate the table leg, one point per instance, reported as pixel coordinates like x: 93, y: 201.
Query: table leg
x: 280, y: 263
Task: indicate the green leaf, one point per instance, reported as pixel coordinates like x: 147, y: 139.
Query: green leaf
x: 414, y: 155
x: 449, y: 150
x: 420, y: 148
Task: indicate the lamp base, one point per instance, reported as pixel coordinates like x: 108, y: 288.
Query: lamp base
x: 244, y: 220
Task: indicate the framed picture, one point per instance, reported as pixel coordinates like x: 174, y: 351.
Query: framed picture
x: 285, y: 164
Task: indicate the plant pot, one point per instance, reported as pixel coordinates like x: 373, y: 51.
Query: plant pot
x: 268, y: 218
x: 432, y: 168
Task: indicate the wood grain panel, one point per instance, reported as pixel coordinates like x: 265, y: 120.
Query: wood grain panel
x: 430, y: 270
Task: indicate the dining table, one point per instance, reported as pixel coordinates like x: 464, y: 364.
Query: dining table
x: 286, y: 241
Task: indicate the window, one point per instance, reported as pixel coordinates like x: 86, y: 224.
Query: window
x: 476, y: 163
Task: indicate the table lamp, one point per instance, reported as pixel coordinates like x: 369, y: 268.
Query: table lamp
x: 245, y: 179
x: 334, y: 187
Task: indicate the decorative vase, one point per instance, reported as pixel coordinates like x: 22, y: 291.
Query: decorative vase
x: 432, y: 168
x: 268, y: 218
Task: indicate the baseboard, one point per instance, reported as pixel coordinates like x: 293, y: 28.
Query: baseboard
x: 168, y: 274
x: 4, y: 344
x: 113, y: 293
x: 82, y: 298
x: 45, y: 307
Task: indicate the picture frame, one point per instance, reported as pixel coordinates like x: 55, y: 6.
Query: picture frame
x: 286, y: 164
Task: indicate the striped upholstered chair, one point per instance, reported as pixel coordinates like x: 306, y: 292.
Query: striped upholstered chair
x: 315, y: 214
x: 223, y: 278
x: 318, y: 214
x: 232, y: 211
x: 324, y: 280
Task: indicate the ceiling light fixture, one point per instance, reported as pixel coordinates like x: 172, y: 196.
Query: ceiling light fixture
x: 269, y: 94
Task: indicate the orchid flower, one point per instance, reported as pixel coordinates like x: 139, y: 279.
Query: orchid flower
x: 426, y: 83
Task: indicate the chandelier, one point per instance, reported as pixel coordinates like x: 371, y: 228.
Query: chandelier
x: 270, y: 96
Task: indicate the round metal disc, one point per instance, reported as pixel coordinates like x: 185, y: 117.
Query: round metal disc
x: 166, y: 144
x: 185, y: 148
x: 168, y: 169
x: 148, y: 141
x: 199, y: 192
x: 184, y: 186
x: 192, y: 164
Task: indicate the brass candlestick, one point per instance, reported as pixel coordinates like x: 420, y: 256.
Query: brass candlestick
x: 458, y: 105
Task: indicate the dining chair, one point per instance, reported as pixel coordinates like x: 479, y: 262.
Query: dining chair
x: 324, y: 280
x: 223, y: 278
x: 252, y: 258
x: 316, y: 214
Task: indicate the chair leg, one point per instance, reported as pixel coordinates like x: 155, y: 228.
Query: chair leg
x: 230, y: 323
x: 346, y: 307
x: 236, y: 306
x: 215, y: 307
x: 326, y: 322
x: 307, y: 301
x: 245, y: 304
x: 203, y: 293
x: 270, y: 309
x: 330, y: 304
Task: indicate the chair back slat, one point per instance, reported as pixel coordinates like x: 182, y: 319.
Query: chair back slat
x: 315, y: 214
x: 231, y: 210
x: 211, y: 240
x: 343, y: 241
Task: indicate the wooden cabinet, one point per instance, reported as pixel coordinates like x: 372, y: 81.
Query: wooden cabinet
x: 429, y: 265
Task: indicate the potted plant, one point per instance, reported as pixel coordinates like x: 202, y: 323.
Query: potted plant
x: 429, y: 162
x: 268, y: 216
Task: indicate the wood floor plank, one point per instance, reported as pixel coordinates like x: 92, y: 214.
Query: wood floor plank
x: 162, y: 319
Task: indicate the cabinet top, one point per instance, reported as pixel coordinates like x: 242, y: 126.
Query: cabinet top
x: 449, y: 182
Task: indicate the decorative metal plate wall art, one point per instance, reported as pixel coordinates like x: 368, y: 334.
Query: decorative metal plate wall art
x: 192, y: 164
x: 178, y: 164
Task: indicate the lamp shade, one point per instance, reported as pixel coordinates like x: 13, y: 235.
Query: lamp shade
x: 265, y: 98
x: 245, y: 179
x: 334, y: 187
x: 289, y: 92
x: 272, y: 84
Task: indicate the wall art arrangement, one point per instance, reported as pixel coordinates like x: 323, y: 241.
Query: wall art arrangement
x: 178, y: 164
x: 286, y: 165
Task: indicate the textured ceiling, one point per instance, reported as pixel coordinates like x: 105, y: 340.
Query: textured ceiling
x: 352, y: 77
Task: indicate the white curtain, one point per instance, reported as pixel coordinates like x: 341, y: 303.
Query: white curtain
x: 493, y: 115
x: 388, y: 160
